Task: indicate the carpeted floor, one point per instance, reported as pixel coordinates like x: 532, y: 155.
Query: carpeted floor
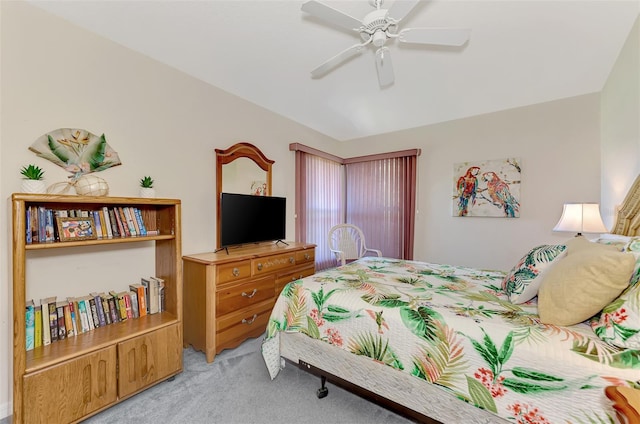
x: 236, y: 389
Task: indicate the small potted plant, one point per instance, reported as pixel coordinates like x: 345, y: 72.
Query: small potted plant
x: 146, y: 187
x: 33, y: 179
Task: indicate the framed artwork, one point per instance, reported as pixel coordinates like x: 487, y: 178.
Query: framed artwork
x: 259, y: 188
x: 72, y: 229
x: 489, y: 188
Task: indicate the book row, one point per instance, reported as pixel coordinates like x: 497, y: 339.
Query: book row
x: 49, y: 225
x: 54, y: 320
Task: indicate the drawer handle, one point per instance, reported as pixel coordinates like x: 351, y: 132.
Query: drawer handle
x: 307, y: 256
x: 259, y: 266
x: 292, y: 260
x: 253, y: 293
x: 249, y: 321
x: 235, y: 272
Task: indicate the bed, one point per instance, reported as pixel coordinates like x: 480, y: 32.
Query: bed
x: 444, y: 343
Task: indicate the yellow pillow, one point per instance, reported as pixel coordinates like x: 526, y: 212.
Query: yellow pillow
x: 584, y: 282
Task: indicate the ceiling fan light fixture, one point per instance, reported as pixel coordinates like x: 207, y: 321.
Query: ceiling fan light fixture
x: 379, y: 38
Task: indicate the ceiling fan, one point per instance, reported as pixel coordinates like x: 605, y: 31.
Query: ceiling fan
x: 376, y: 28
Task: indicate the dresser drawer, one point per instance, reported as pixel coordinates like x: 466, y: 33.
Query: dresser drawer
x: 272, y: 263
x: 305, y: 256
x: 233, y: 297
x: 233, y: 271
x: 232, y: 329
x: 284, y: 279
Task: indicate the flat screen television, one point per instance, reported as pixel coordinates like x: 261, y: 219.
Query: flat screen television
x: 251, y: 219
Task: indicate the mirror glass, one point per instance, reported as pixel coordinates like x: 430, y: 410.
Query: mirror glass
x: 242, y: 169
x: 244, y: 176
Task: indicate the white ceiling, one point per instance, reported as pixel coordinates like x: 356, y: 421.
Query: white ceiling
x: 520, y: 53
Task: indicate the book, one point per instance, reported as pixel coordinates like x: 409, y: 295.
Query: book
x: 147, y: 285
x: 104, y: 223
x: 133, y: 295
x: 114, y: 224
x: 42, y: 224
x: 92, y: 323
x: 62, y: 329
x: 28, y: 235
x: 53, y: 320
x: 94, y: 311
x: 138, y: 215
x: 84, y: 317
x: 122, y: 306
x: 30, y: 322
x: 161, y: 296
x: 122, y: 222
x: 134, y: 220
x: 49, y: 225
x: 154, y: 295
x: 37, y: 336
x: 99, y: 309
x: 127, y: 304
x: 34, y: 224
x: 115, y: 218
x: 142, y: 304
x: 107, y: 222
x: 46, y: 332
x: 104, y: 298
x: 68, y: 322
x: 129, y: 220
x: 113, y: 310
x: 75, y: 315
x: 114, y: 296
x: 96, y: 220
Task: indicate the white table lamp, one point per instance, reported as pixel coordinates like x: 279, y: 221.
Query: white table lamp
x: 581, y: 218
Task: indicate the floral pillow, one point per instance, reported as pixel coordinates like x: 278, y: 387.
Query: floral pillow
x: 521, y: 284
x: 619, y: 322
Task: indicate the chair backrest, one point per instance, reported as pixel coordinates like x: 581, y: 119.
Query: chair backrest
x: 349, y: 240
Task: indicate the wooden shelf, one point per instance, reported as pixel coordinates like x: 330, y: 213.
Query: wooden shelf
x: 91, y: 371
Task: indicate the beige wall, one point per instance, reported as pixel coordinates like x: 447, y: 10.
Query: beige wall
x: 165, y: 124
x: 558, y: 145
x: 161, y: 122
x: 620, y: 111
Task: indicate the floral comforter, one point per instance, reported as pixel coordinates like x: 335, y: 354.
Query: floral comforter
x: 454, y: 327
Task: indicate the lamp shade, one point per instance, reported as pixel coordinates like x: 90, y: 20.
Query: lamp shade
x: 581, y: 218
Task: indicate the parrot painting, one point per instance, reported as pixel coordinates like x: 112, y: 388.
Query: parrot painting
x: 500, y: 195
x: 467, y: 187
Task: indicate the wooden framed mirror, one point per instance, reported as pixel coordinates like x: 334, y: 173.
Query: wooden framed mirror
x: 244, y: 169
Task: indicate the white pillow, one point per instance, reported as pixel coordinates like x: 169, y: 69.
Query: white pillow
x: 521, y: 284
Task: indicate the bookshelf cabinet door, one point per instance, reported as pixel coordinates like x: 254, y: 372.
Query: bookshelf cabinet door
x: 71, y: 390
x: 147, y: 359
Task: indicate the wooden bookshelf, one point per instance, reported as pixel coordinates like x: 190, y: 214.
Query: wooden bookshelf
x: 71, y: 379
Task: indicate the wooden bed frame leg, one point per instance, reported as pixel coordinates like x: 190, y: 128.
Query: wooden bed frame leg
x: 323, y: 391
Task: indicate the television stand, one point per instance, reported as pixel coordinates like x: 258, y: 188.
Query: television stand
x: 281, y: 241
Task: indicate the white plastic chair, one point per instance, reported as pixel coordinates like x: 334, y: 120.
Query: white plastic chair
x: 347, y: 242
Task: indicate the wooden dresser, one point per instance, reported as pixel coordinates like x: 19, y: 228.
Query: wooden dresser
x: 228, y: 297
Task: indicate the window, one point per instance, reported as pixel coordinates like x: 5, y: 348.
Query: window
x: 376, y: 193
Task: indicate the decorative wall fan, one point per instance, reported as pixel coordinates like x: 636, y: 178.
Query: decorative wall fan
x: 376, y: 28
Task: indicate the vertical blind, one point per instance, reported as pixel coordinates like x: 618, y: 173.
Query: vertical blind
x: 319, y: 203
x: 376, y: 193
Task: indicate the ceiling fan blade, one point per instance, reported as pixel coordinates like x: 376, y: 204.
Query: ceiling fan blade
x: 401, y: 8
x: 384, y: 66
x: 331, y: 15
x: 338, y: 59
x: 440, y: 36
